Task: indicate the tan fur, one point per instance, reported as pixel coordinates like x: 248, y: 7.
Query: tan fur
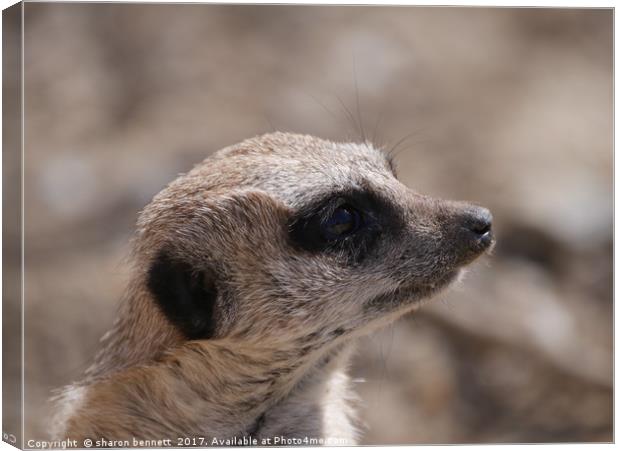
x: 285, y: 317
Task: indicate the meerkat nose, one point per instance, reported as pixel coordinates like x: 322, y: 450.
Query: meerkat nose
x: 478, y: 222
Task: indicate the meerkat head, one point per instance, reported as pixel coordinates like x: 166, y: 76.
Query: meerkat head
x: 286, y: 238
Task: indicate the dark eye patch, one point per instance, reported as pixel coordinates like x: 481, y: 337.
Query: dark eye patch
x: 346, y: 223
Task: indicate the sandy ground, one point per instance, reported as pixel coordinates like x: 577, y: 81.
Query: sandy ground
x: 508, y: 108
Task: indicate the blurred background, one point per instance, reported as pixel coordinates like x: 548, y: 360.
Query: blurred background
x: 510, y: 108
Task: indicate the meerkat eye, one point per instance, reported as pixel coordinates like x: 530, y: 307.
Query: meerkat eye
x: 345, y: 224
x: 344, y: 220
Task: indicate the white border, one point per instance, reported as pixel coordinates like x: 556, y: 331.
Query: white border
x: 554, y: 4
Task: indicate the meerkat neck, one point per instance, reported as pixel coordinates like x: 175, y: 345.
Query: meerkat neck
x: 273, y: 392
x: 321, y: 405
x: 221, y: 390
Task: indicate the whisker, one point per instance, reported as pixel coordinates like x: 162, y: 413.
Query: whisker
x: 404, y: 144
x: 268, y: 120
x: 357, y: 103
x: 328, y: 110
x: 375, y: 132
x: 393, y: 148
x: 350, y: 116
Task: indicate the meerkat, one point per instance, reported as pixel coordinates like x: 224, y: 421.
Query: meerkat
x: 252, y: 276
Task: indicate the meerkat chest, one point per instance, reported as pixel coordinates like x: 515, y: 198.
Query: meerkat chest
x: 320, y: 412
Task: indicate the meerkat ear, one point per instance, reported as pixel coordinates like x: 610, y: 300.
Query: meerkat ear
x: 185, y: 296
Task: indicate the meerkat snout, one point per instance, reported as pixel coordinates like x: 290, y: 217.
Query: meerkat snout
x: 255, y: 269
x: 474, y: 230
x: 478, y: 221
